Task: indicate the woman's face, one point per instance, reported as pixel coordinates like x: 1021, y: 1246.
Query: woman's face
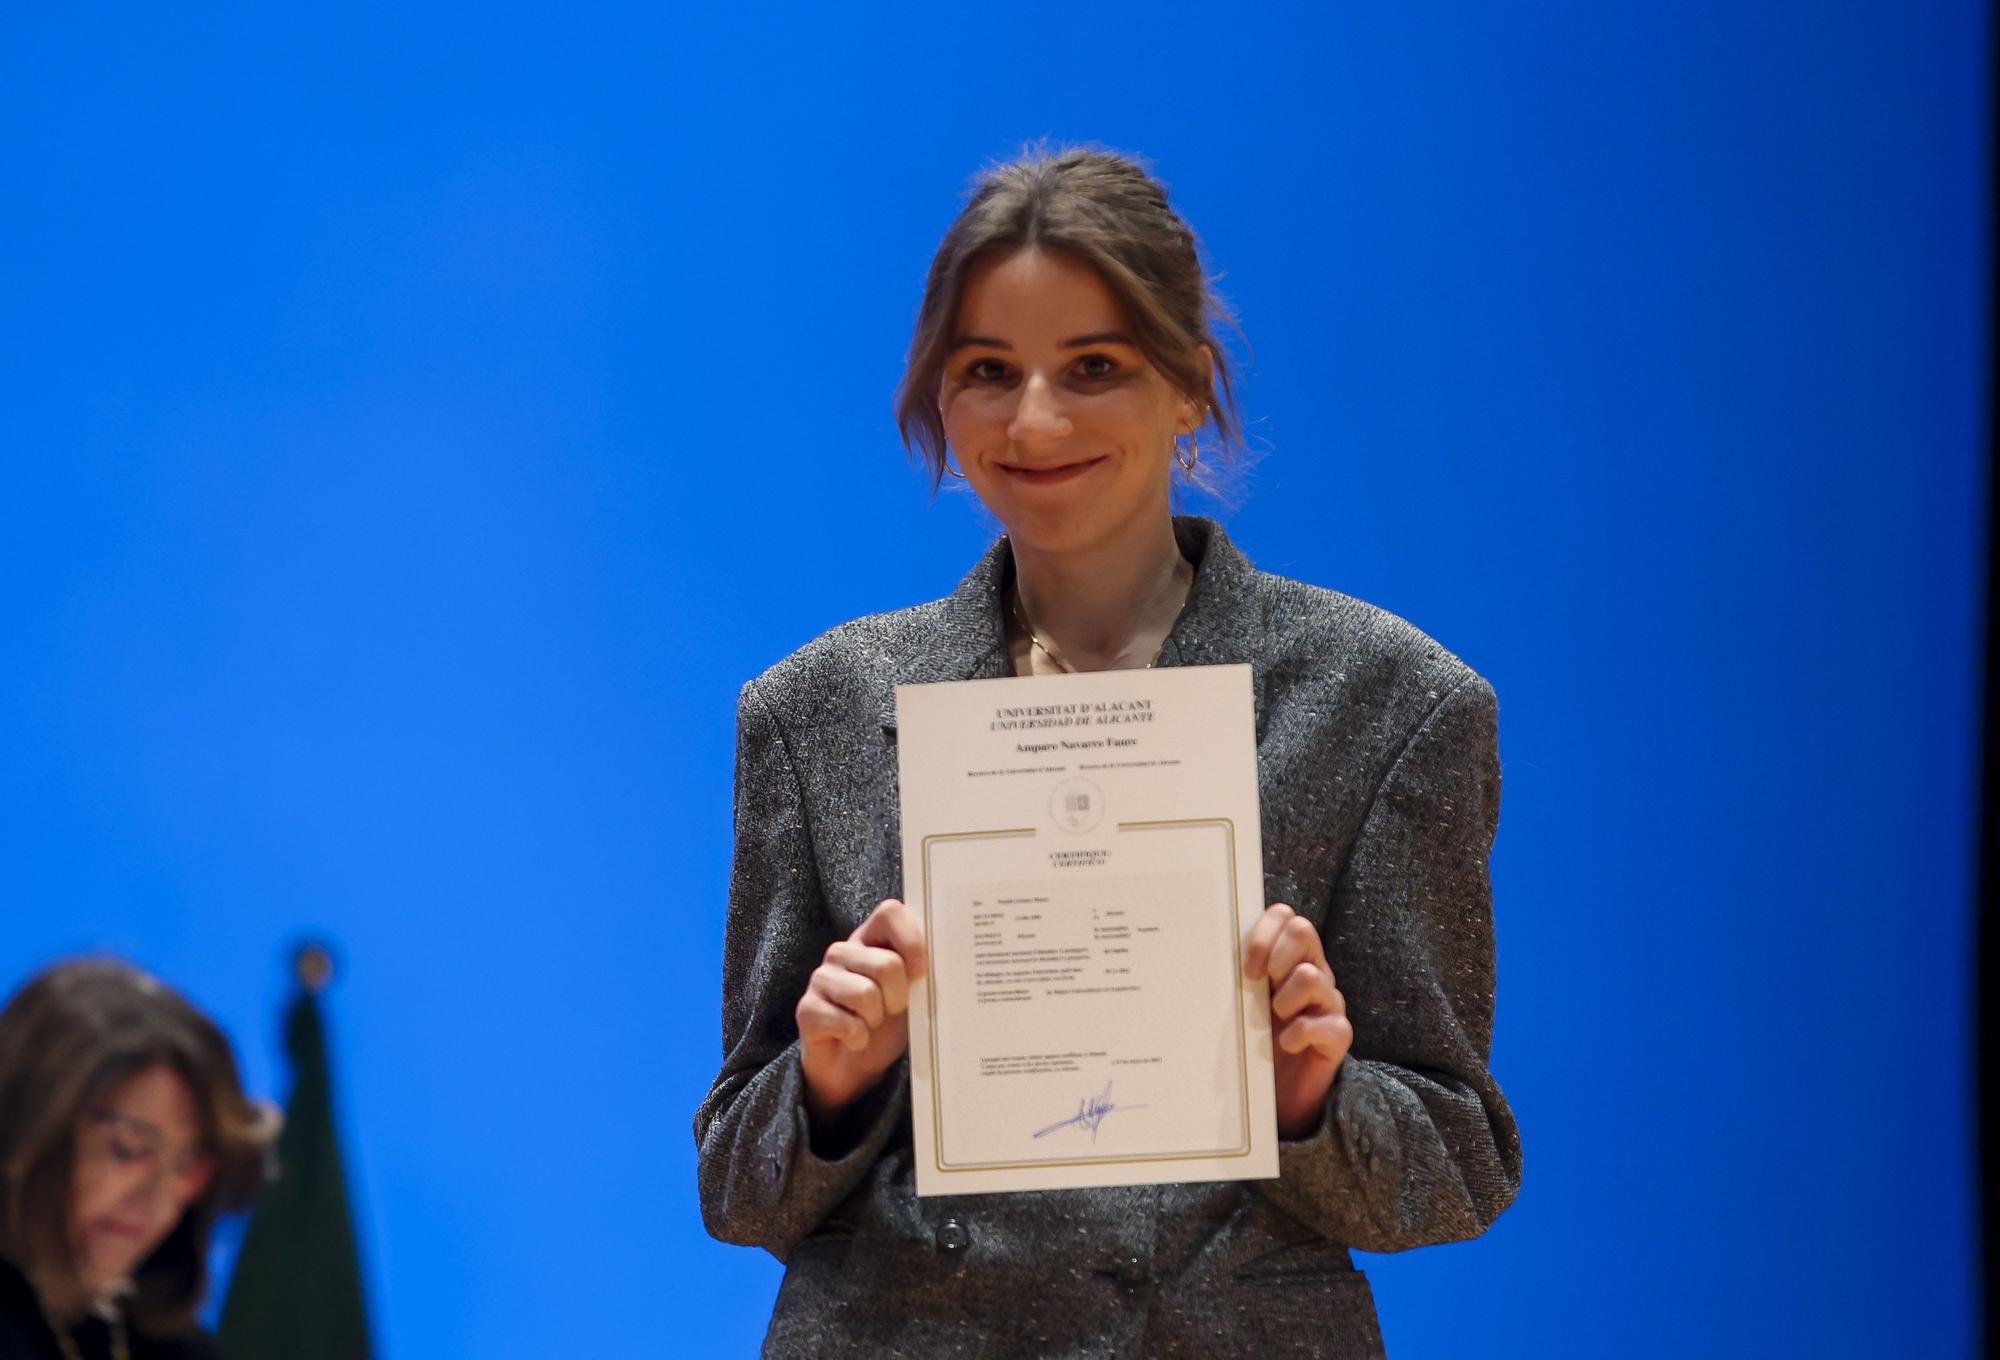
x: 1057, y: 419
x: 141, y: 1159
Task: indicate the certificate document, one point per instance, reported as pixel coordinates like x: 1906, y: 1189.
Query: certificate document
x: 1084, y: 853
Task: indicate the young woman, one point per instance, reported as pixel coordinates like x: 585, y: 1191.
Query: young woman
x: 1065, y: 358
x: 124, y: 1132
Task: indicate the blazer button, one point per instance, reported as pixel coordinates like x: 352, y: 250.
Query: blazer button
x: 952, y: 1237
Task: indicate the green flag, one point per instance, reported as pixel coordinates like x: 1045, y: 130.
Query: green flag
x: 296, y: 1292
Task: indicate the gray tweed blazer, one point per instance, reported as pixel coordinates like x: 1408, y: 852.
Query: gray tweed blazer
x: 1380, y: 781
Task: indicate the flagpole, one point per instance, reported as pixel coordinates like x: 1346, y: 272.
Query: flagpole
x: 297, y: 1292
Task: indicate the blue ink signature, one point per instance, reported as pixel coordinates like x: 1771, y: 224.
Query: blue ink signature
x: 1090, y: 1112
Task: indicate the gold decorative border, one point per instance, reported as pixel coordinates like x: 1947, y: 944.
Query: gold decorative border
x: 930, y: 973
x: 1228, y: 828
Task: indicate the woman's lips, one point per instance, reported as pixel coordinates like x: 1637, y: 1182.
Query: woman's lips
x: 1049, y: 476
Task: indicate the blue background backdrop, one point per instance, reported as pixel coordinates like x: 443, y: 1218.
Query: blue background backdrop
x: 418, y: 422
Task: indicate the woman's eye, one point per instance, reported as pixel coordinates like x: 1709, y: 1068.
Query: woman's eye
x: 1096, y: 366
x: 126, y: 1152
x: 986, y: 370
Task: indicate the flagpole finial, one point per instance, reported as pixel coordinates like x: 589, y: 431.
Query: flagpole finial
x: 312, y: 965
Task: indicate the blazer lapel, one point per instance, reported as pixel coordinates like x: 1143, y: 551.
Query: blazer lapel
x: 1223, y: 621
x: 968, y: 642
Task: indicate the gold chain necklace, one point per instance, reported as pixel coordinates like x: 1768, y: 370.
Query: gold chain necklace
x: 1035, y: 639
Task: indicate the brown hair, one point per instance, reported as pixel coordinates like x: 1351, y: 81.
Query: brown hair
x: 1107, y: 211
x: 69, y: 1036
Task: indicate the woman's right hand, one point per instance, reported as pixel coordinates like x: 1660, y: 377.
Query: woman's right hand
x: 854, y: 1018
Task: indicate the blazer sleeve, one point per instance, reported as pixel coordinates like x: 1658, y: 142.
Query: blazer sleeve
x: 1417, y: 1144
x: 763, y: 1183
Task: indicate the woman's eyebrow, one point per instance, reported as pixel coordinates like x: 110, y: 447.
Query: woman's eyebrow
x: 1098, y: 338
x: 143, y: 1125
x: 133, y: 1126
x: 1074, y: 342
x: 156, y: 1132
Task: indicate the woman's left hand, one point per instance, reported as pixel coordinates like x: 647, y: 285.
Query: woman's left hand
x: 1310, y: 1032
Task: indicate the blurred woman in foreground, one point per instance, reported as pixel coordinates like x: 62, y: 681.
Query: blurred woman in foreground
x: 124, y: 1134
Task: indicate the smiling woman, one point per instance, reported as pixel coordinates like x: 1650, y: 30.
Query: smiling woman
x: 1061, y: 423
x: 1064, y: 355
x: 124, y: 1132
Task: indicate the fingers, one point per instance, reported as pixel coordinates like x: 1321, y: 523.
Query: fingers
x: 1263, y: 936
x: 821, y: 1020
x: 1298, y: 943
x: 1280, y: 940
x: 1308, y: 990
x: 892, y: 925
x: 852, y: 993
x: 864, y: 980
x: 883, y: 969
x: 1308, y: 1013
x: 1329, y: 1035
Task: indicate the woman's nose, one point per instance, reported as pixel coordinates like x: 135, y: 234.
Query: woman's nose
x: 1038, y: 416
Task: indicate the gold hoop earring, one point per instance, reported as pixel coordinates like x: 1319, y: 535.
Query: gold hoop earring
x: 1189, y: 456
